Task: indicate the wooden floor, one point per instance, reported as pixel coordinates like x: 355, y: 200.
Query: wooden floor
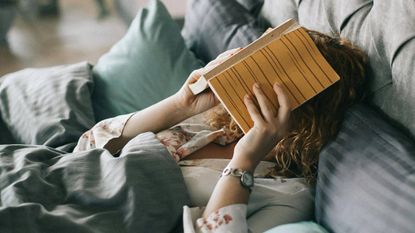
x: 75, y: 35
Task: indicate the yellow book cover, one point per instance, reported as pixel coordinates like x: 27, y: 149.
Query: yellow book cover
x: 286, y: 55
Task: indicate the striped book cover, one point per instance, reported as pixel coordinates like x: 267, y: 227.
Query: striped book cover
x: 285, y: 55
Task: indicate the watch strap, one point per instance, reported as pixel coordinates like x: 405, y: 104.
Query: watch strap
x: 237, y: 172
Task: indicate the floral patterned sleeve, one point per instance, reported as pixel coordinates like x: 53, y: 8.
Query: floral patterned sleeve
x: 102, y: 133
x: 180, y: 140
x: 185, y: 138
x: 229, y: 219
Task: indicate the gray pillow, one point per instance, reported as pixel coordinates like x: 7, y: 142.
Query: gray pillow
x: 253, y: 6
x: 225, y: 24
x: 5, y: 135
x: 366, y: 177
x: 49, y: 106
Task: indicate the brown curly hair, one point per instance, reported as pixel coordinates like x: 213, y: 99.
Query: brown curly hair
x: 318, y: 120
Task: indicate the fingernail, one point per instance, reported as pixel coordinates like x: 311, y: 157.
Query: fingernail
x: 256, y: 85
x: 247, y: 97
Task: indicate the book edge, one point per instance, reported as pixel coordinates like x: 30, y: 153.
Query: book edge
x: 284, y: 28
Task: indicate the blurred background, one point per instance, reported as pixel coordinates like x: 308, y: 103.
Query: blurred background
x: 39, y: 33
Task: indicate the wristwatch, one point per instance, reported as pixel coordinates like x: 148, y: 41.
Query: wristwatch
x: 246, y: 177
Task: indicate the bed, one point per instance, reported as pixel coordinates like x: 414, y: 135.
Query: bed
x: 46, y: 188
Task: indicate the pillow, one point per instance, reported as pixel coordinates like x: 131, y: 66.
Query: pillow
x: 49, y: 106
x: 366, y: 177
x: 276, y: 12
x: 225, y: 25
x: 5, y: 135
x: 301, y: 227
x: 253, y: 6
x: 150, y: 63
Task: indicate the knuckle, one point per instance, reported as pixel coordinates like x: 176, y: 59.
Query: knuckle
x: 263, y: 129
x: 273, y: 129
x: 196, y: 72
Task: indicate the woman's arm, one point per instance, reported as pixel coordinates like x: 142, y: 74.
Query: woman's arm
x: 270, y: 125
x: 155, y: 118
x: 170, y: 111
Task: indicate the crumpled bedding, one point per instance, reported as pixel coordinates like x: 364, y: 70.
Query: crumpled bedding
x: 47, y: 190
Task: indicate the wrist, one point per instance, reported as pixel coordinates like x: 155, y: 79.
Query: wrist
x: 181, y: 106
x: 244, y: 164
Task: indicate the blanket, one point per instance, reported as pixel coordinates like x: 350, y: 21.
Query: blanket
x: 47, y: 190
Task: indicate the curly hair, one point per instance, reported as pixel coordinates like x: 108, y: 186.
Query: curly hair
x: 318, y: 120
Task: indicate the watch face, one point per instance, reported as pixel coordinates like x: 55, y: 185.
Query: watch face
x: 247, y: 179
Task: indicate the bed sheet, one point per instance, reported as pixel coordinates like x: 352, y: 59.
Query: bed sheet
x: 48, y: 190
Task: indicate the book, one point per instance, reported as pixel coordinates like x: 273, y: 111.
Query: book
x: 286, y: 55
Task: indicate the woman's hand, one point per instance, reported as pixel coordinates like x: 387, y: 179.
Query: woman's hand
x: 195, y: 104
x: 270, y: 126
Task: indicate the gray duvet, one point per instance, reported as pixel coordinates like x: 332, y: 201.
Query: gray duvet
x: 47, y: 190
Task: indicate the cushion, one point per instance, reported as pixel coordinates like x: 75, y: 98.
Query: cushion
x: 384, y: 29
x: 5, y: 136
x: 225, y: 25
x: 366, y: 177
x: 252, y: 6
x: 49, y: 106
x: 301, y: 227
x: 150, y: 63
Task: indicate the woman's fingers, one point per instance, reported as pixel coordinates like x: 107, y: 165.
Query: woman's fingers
x: 222, y: 57
x: 194, y: 76
x: 267, y: 109
x: 253, y: 110
x: 228, y: 53
x: 284, y: 109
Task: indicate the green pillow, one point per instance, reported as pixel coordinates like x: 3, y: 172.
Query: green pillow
x: 301, y: 227
x: 150, y: 63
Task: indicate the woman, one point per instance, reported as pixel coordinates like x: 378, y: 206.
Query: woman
x: 291, y: 140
